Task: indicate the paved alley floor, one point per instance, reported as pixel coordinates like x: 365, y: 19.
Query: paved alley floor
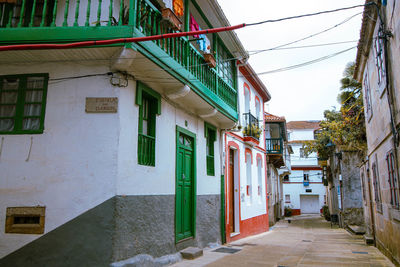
x: 307, y: 241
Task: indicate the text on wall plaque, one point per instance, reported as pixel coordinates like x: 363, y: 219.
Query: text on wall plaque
x: 101, y: 104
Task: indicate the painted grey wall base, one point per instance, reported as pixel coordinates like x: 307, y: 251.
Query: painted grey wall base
x: 146, y: 225
x: 119, y: 228
x: 83, y: 241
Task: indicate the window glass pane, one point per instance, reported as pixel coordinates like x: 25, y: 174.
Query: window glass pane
x: 33, y: 96
x: 8, y: 97
x: 6, y: 125
x: 34, y: 82
x: 145, y: 128
x: 7, y: 111
x: 31, y: 124
x: 32, y: 110
x: 10, y: 84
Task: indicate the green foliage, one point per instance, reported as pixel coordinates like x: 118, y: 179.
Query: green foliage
x: 344, y: 128
x: 326, y: 213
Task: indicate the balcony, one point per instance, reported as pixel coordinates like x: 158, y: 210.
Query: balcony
x: 251, y: 130
x: 58, y: 21
x: 274, y: 145
x: 274, y: 149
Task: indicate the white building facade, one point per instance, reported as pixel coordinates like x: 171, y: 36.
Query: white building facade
x: 113, y: 151
x: 245, y: 171
x: 303, y: 189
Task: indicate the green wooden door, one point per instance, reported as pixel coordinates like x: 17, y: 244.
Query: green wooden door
x: 185, y: 211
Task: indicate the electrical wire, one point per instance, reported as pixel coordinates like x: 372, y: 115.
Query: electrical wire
x: 308, y: 15
x: 305, y: 38
x: 309, y: 46
x: 304, y: 63
x: 163, y: 36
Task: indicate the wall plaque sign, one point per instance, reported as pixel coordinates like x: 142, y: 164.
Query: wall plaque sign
x: 101, y: 104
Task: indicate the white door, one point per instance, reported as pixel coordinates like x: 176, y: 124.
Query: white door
x: 309, y: 204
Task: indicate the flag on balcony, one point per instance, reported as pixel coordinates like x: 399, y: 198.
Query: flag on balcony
x: 193, y: 26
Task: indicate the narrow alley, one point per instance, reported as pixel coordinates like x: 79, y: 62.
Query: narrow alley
x: 308, y: 240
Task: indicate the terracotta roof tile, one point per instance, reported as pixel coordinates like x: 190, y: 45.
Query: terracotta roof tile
x: 303, y: 125
x: 273, y: 118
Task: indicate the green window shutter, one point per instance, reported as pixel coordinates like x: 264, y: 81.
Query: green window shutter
x: 149, y: 103
x: 210, y: 133
x: 23, y: 103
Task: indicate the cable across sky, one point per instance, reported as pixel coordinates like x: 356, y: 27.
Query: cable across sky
x: 164, y: 36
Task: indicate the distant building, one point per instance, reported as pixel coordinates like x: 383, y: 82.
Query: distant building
x: 378, y: 69
x: 278, y: 160
x: 303, y: 189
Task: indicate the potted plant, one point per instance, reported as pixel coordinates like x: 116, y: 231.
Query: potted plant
x: 288, y: 211
x: 171, y: 19
x: 210, y: 60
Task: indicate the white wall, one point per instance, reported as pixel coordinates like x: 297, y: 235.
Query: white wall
x: 134, y: 179
x: 296, y: 160
x: 73, y: 164
x: 295, y: 187
x: 83, y: 159
x: 253, y: 205
x: 251, y: 105
x: 301, y: 134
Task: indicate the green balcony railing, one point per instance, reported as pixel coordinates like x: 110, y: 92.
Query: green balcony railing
x: 274, y: 145
x: 149, y: 22
x: 63, y: 13
x: 27, y: 21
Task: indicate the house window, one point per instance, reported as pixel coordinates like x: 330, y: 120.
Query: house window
x: 210, y: 134
x: 367, y: 93
x: 306, y: 176
x: 302, y: 154
x: 393, y: 180
x: 380, y: 58
x: 258, y: 108
x: 377, y: 188
x: 364, y: 192
x: 249, y: 187
x: 259, y: 176
x: 149, y: 103
x: 287, y: 198
x: 226, y: 66
x: 23, y: 103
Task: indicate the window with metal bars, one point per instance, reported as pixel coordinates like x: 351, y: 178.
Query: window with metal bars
x: 377, y: 188
x: 149, y: 103
x: 393, y: 180
x: 380, y: 58
x: 23, y: 103
x: 367, y: 95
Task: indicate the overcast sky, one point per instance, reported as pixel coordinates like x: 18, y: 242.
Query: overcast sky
x: 302, y: 93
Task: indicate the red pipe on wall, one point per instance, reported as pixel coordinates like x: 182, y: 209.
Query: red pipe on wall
x: 115, y: 41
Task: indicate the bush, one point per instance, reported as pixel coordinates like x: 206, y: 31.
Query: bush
x: 325, y: 212
x: 288, y: 211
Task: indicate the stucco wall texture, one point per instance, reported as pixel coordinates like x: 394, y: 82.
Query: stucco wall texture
x: 117, y: 229
x: 82, y: 160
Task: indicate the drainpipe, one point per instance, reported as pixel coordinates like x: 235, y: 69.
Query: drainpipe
x: 222, y: 145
